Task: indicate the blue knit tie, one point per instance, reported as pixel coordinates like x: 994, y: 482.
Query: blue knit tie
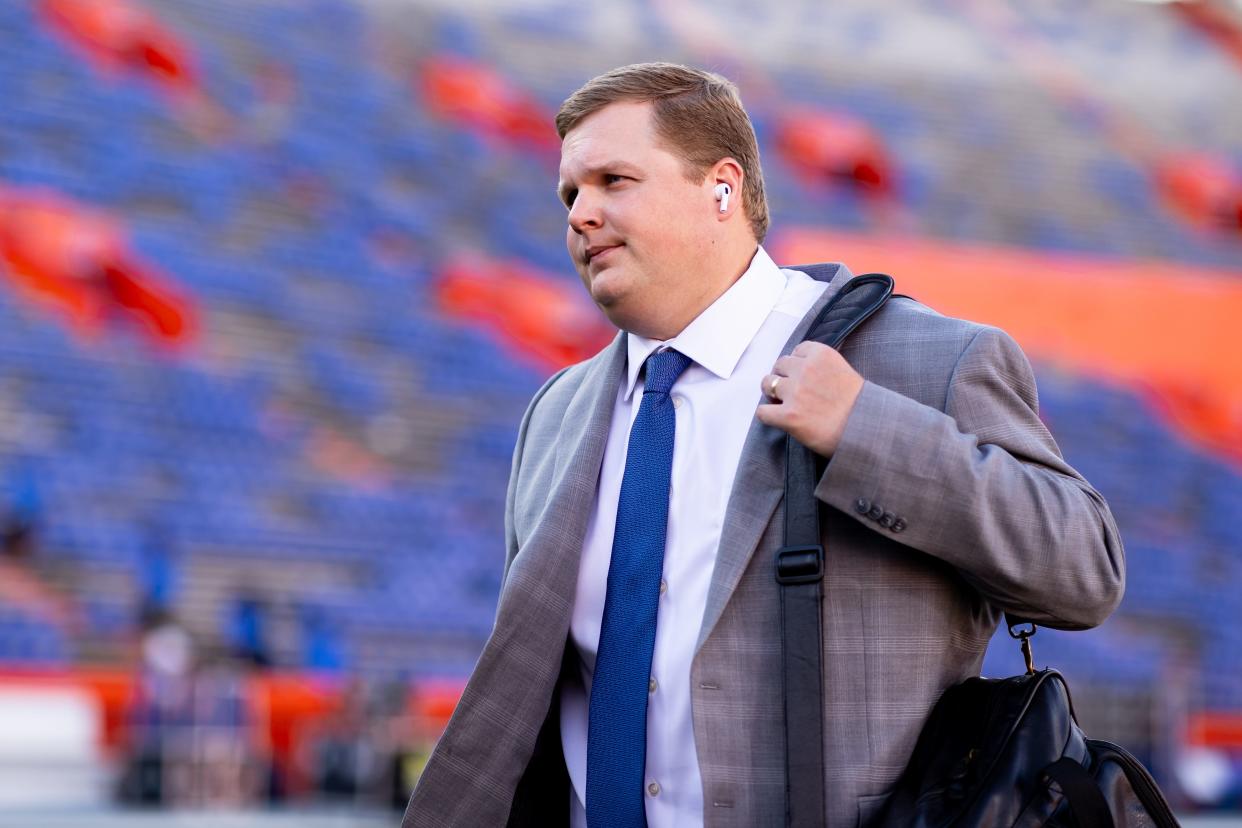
x: 617, y: 733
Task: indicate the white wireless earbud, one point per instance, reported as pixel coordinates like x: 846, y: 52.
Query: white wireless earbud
x: 722, y: 195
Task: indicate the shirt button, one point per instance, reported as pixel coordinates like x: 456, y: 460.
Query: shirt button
x: 651, y: 685
x: 663, y: 586
x: 862, y: 505
x: 677, y: 402
x: 654, y: 789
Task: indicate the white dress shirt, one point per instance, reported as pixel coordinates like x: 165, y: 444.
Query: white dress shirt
x: 733, y: 344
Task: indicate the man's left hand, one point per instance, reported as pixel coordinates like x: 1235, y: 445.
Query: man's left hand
x: 810, y: 395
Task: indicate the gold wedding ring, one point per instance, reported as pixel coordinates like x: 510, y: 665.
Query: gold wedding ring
x: 772, y: 390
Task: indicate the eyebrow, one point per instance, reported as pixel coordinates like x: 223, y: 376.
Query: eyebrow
x: 563, y: 189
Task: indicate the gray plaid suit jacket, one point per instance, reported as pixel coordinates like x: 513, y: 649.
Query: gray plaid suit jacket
x: 984, y: 517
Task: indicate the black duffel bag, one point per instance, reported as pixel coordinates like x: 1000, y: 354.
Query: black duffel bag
x: 1009, y: 752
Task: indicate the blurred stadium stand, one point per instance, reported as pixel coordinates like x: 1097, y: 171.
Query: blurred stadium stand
x: 306, y: 479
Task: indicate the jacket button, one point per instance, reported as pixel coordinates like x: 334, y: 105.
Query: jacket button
x: 876, y: 512
x: 898, y: 525
x: 862, y: 505
x: 887, y: 519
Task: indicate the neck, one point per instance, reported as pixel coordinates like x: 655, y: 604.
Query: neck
x: 719, y: 275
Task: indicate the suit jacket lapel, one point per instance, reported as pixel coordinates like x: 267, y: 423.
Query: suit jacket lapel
x: 584, y: 430
x: 492, y: 734
x: 581, y: 439
x: 549, y: 558
x: 760, y: 481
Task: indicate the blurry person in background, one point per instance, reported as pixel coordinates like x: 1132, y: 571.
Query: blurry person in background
x: 161, y: 711
x: 21, y: 584
x: 634, y: 673
x: 343, y: 756
x: 231, y: 761
x: 340, y: 751
x: 322, y: 649
x: 250, y: 620
x: 193, y: 724
x: 159, y: 569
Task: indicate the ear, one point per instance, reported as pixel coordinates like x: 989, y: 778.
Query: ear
x: 726, y: 171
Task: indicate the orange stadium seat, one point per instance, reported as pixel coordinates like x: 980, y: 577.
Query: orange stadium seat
x: 835, y: 148
x: 77, y: 260
x: 480, y: 98
x: 1204, y: 189
x: 536, y: 317
x: 120, y: 35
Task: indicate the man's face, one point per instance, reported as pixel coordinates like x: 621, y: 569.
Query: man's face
x: 639, y: 231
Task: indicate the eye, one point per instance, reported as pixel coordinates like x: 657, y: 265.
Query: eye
x: 613, y: 178
x: 569, y: 197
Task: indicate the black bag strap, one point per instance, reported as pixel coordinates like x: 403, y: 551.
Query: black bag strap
x: 800, y: 570
x: 1086, y: 802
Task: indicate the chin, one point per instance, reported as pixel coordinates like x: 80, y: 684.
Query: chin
x: 615, y: 309
x: 608, y: 288
x: 633, y: 320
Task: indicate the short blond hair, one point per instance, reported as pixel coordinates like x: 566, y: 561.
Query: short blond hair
x: 697, y: 114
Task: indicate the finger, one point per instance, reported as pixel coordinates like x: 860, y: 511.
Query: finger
x: 771, y: 414
x: 807, y: 347
x: 771, y: 385
x: 789, y: 366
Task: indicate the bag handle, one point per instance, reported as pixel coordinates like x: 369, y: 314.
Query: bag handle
x: 1086, y: 802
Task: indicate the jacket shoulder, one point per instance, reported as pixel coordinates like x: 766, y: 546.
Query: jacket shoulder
x: 547, y: 407
x: 915, y: 350
x: 561, y: 387
x: 906, y: 319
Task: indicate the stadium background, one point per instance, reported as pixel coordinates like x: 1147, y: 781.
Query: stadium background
x: 277, y: 278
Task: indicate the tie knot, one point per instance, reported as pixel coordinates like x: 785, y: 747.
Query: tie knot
x: 663, y: 369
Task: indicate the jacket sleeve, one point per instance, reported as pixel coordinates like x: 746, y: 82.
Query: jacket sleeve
x: 983, y: 486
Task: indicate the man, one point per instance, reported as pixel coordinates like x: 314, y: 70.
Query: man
x: 634, y: 673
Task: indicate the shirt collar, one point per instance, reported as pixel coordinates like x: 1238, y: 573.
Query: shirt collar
x: 718, y: 336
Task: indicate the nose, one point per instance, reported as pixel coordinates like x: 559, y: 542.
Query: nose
x: 584, y: 215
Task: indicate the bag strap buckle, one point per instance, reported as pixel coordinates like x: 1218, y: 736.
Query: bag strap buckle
x: 799, y: 565
x: 1022, y: 632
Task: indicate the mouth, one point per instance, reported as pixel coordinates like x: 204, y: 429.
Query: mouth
x: 600, y: 252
